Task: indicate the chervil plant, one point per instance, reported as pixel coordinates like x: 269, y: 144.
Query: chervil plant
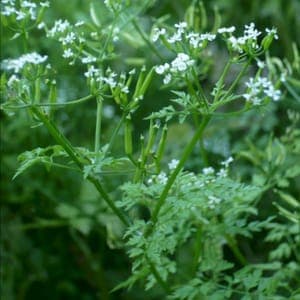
x: 187, y: 216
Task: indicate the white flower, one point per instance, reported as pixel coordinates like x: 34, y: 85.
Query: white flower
x: 162, y: 178
x: 12, y: 80
x: 20, y: 15
x: 162, y: 68
x: 213, y: 201
x: 125, y: 89
x: 208, y: 171
x: 259, y: 88
x: 227, y: 162
x: 222, y: 173
x: 181, y: 26
x: 273, y: 93
x: 68, y: 39
x: 173, y: 164
x: 260, y: 64
x: 45, y: 4
x: 250, y: 35
x: 157, y: 33
x: 272, y: 32
x: 226, y: 29
x: 181, y: 62
x: 68, y: 53
x: 28, y: 4
x: 8, y: 11
x: 110, y: 81
x: 250, y: 32
x: 41, y: 25
x: 176, y: 37
x: 167, y: 79
x: 88, y: 59
x: 207, y: 36
x: 11, y: 2
x: 59, y: 27
x: 283, y: 77
x: 194, y: 39
x: 92, y: 71
x: 18, y: 63
x: 132, y: 71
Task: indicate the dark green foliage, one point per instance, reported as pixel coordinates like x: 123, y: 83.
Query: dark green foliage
x: 144, y: 203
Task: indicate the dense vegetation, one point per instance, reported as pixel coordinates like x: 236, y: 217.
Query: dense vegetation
x: 150, y: 149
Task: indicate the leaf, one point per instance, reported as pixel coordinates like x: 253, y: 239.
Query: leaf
x: 84, y: 225
x: 67, y: 211
x: 38, y: 155
x: 283, y: 251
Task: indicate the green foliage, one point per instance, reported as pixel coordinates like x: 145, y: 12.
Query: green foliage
x: 159, y: 150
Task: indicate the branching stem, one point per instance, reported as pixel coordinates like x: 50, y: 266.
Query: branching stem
x: 64, y: 142
x: 186, y: 153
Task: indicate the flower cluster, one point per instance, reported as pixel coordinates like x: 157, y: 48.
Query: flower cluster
x: 17, y: 64
x: 26, y: 9
x: 180, y: 64
x: 249, y: 40
x: 113, y: 5
x: 162, y: 177
x: 223, y: 172
x: 259, y: 88
x: 111, y: 79
x: 196, y: 40
x: 68, y: 36
x: 173, y: 164
x: 213, y: 201
x: 193, y: 42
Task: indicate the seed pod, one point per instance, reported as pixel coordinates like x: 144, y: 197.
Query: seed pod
x: 162, y: 143
x: 128, y: 135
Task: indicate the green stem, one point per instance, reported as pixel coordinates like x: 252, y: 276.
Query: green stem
x: 237, y: 79
x: 80, y: 100
x: 186, y: 153
x: 109, y: 201
x: 58, y: 136
x: 115, y: 132
x: 64, y: 142
x: 221, y: 80
x: 98, y: 124
x: 200, y: 89
x: 197, y: 250
x: 43, y: 224
x: 145, y: 39
x: 236, y: 251
x: 157, y: 276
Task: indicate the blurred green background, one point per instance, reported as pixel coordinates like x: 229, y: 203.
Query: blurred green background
x: 53, y: 245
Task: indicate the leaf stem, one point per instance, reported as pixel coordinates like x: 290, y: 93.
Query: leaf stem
x: 64, y: 142
x: 157, y: 276
x: 115, y: 132
x: 236, y: 251
x: 146, y: 40
x: 98, y: 124
x: 186, y: 153
x: 80, y: 100
x: 237, y: 79
x: 221, y: 80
